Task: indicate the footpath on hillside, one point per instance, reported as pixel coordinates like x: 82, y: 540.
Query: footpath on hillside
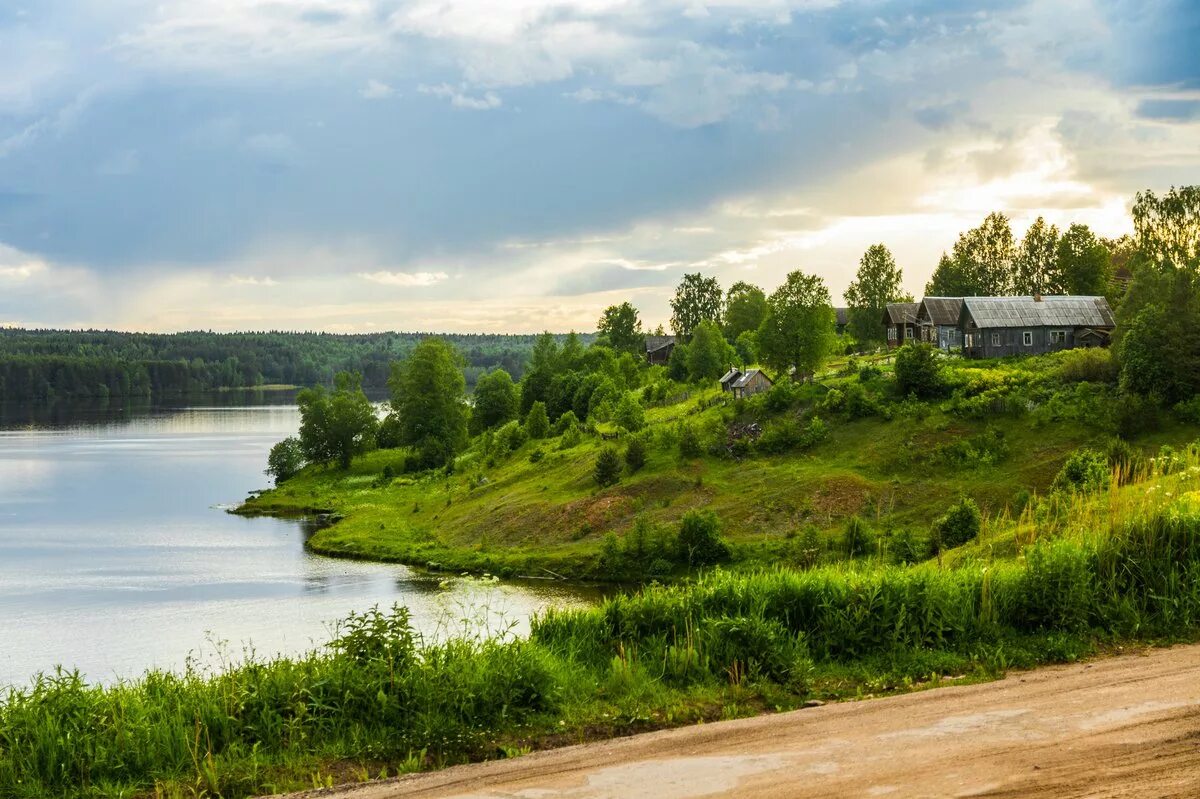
x: 1126, y: 726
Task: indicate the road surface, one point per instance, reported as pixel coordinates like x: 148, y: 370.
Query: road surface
x: 1125, y: 726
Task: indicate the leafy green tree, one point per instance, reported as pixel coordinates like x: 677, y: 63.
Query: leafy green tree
x: 537, y: 422
x: 544, y: 364
x: 708, y: 353
x: 570, y: 356
x: 1036, y: 268
x: 286, y: 459
x: 1167, y: 228
x: 799, y: 328
x: 918, y: 371
x: 697, y: 299
x: 629, y: 413
x: 950, y: 279
x: 428, y: 396
x: 746, y: 347
x: 700, y: 542
x: 335, y: 426
x: 607, y: 470
x: 1084, y: 262
x: 635, y: 453
x: 876, y: 284
x: 621, y: 329
x: 981, y: 263
x: 677, y: 364
x: 960, y: 524
x: 495, y: 401
x: 745, y: 308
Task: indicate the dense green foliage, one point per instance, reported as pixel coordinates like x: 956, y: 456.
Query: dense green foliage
x: 608, y: 467
x: 286, y: 459
x: 428, y: 398
x: 620, y: 329
x: 876, y: 284
x: 495, y: 401
x: 336, y: 425
x: 697, y: 299
x: 918, y: 371
x: 798, y: 330
x: 745, y: 309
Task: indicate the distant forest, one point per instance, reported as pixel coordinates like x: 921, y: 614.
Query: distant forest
x: 93, y: 364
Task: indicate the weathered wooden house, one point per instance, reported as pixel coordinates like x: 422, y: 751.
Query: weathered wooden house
x: 658, y: 349
x: 745, y: 382
x: 993, y: 327
x: 841, y: 320
x: 900, y: 319
x: 937, y: 318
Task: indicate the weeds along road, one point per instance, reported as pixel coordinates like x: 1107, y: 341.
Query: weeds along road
x: 1126, y: 726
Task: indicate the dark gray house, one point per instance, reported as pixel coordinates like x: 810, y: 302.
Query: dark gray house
x: 937, y: 318
x: 900, y: 319
x: 993, y: 327
x: 745, y: 382
x: 658, y: 349
x: 841, y: 319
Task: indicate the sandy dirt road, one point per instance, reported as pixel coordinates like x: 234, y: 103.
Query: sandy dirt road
x: 1126, y: 726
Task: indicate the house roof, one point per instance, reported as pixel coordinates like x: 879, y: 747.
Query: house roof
x: 654, y: 343
x: 730, y: 375
x: 747, y: 376
x: 940, y: 310
x: 1055, y: 311
x: 843, y: 315
x: 898, y: 312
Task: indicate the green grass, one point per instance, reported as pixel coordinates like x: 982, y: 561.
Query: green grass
x: 1115, y: 567
x: 513, y: 517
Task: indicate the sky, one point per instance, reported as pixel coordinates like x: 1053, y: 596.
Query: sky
x: 514, y: 166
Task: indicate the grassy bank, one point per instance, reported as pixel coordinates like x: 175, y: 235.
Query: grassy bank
x: 1120, y: 566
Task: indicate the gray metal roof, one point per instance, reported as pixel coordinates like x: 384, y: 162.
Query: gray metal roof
x: 730, y: 375
x: 940, y: 310
x: 898, y: 312
x: 988, y: 312
x: 658, y: 342
x: 842, y: 315
x: 746, y: 377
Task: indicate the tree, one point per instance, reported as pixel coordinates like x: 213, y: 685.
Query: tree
x: 544, y: 363
x: 286, y: 459
x: 629, y: 413
x: 1036, y: 267
x: 746, y: 347
x: 798, y: 329
x: 635, y: 453
x: 745, y: 308
x: 700, y: 542
x: 570, y: 356
x: 697, y: 298
x: 677, y: 364
x: 709, y: 354
x: 918, y: 371
x: 607, y: 470
x: 335, y: 426
x: 980, y: 264
x: 959, y: 524
x: 876, y: 284
x: 949, y: 279
x: 621, y: 329
x: 1083, y: 262
x: 495, y: 401
x: 428, y: 396
x: 1167, y: 229
x: 537, y: 422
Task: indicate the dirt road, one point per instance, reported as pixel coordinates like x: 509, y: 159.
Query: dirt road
x: 1121, y: 727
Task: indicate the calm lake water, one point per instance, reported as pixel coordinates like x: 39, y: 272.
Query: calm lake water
x: 116, y: 553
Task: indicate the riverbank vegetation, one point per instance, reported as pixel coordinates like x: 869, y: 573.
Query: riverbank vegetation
x: 1088, y: 568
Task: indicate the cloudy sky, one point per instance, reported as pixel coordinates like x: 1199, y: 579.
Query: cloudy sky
x: 515, y: 165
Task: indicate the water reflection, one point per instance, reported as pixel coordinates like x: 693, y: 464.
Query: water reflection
x: 115, y: 554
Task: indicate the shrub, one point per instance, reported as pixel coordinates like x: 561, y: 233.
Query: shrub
x: 510, y: 436
x: 635, y: 453
x: 700, y: 542
x: 859, y: 404
x: 566, y: 422
x: 918, y: 372
x: 1189, y: 410
x: 781, y: 396
x: 868, y: 372
x: 537, y: 456
x: 537, y: 423
x: 689, y: 441
x: 1084, y: 470
x: 833, y: 401
x: 784, y: 435
x: 629, y: 413
x: 608, y: 467
x: 390, y: 434
x: 1133, y: 414
x: 286, y: 459
x: 959, y: 524
x: 809, y: 546
x: 857, y: 538
x: 1087, y: 365
x: 906, y: 548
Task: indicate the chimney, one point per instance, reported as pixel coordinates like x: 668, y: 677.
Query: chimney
x: 1037, y: 297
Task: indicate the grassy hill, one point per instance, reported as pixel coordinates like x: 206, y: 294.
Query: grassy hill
x: 999, y: 433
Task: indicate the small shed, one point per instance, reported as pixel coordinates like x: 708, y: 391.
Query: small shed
x: 658, y: 349
x: 841, y: 320
x: 994, y: 327
x: 745, y: 382
x: 900, y: 319
x: 937, y: 318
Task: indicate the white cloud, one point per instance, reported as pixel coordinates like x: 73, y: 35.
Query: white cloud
x: 376, y: 90
x: 459, y: 99
x: 405, y: 279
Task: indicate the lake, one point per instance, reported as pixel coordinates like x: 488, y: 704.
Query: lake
x: 117, y: 554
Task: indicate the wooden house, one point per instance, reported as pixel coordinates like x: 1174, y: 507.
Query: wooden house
x: 658, y: 349
x: 900, y: 319
x: 745, y: 382
x: 841, y: 320
x: 994, y: 327
x: 937, y: 318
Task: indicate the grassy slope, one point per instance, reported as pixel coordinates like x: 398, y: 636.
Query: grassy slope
x: 533, y: 518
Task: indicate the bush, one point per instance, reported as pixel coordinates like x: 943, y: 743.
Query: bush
x: 1123, y: 458
x: 1084, y: 470
x: 566, y: 422
x: 608, y: 467
x: 389, y: 435
x: 787, y: 434
x: 781, y: 396
x: 571, y: 437
x: 918, y: 372
x: 906, y: 548
x: 286, y: 459
x: 635, y: 453
x: 833, y: 401
x: 689, y: 441
x: 510, y: 437
x: 868, y: 372
x: 960, y: 524
x: 857, y: 538
x: 537, y: 456
x: 537, y: 423
x: 1188, y: 411
x: 1087, y: 365
x: 700, y: 542
x: 629, y: 413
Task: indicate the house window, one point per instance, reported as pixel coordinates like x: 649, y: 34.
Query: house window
x: 891, y: 334
x: 1027, y: 338
x: 995, y: 339
x: 908, y: 332
x: 1058, y: 337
